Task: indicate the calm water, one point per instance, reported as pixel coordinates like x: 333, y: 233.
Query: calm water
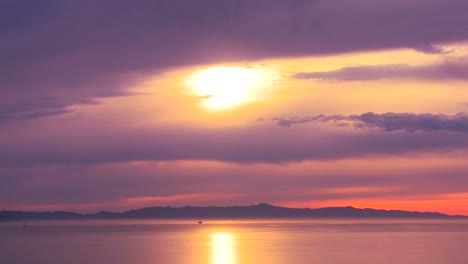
x: 228, y: 242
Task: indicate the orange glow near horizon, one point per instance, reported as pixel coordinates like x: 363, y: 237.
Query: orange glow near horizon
x: 453, y: 204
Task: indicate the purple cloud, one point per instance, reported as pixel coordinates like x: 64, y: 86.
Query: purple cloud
x: 431, y: 49
x: 73, y: 143
x: 56, y: 53
x: 450, y: 70
x: 32, y: 115
x: 388, y: 121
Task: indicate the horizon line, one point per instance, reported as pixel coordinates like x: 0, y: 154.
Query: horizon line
x: 227, y: 206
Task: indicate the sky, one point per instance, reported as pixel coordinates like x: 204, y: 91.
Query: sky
x: 117, y: 105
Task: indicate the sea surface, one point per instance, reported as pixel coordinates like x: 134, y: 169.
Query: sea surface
x: 324, y: 241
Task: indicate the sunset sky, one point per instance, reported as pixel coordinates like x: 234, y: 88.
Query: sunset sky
x: 116, y: 105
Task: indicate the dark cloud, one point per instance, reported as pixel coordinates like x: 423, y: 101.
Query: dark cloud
x: 388, y: 121
x: 431, y: 49
x: 72, y: 142
x: 73, y: 51
x: 38, y: 114
x: 450, y: 70
x: 32, y: 115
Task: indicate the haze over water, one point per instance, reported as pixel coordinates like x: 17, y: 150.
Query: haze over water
x: 321, y: 241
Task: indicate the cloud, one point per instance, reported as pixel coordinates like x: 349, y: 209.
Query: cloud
x: 450, y: 70
x: 431, y: 49
x: 33, y: 115
x: 72, y: 142
x: 57, y: 53
x: 388, y: 121
x: 108, y: 186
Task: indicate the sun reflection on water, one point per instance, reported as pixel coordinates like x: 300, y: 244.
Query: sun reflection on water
x: 223, y: 248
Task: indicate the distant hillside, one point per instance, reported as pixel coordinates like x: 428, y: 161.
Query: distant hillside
x: 254, y: 211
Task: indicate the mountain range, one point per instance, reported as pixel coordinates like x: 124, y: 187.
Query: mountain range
x: 262, y: 210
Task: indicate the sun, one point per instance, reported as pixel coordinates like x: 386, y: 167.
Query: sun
x: 225, y: 87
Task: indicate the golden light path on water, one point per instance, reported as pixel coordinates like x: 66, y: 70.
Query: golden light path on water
x: 223, y: 248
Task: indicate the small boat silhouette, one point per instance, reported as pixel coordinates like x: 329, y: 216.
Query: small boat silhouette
x: 200, y: 222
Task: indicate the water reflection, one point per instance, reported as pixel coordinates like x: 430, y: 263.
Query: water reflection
x: 222, y: 248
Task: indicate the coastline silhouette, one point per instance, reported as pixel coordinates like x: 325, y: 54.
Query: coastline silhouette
x: 261, y: 210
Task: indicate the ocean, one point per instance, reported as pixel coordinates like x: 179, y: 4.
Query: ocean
x: 320, y: 241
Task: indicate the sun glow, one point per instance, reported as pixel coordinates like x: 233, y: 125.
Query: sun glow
x: 225, y: 87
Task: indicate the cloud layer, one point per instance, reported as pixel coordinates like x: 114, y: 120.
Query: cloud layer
x: 388, y: 121
x: 450, y: 70
x: 69, y: 143
x: 57, y: 53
